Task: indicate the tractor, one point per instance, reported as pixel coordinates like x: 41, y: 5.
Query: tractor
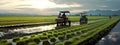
x: 83, y: 19
x: 62, y: 19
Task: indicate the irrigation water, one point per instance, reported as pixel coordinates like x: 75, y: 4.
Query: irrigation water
x: 113, y: 38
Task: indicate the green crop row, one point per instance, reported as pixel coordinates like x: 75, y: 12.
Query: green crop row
x: 65, y: 36
x: 54, y: 34
x: 76, y: 40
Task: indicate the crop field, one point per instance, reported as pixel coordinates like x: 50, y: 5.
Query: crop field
x: 59, y: 22
x: 73, y: 35
x: 12, y: 20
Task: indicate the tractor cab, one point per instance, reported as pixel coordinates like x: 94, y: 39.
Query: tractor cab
x: 83, y: 19
x: 62, y: 20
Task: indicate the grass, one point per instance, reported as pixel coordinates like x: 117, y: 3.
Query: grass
x: 12, y: 20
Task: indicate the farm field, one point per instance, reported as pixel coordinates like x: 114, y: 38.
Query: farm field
x: 12, y: 20
x: 67, y: 36
x: 59, y: 22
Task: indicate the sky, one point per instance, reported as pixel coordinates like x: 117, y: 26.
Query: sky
x: 52, y: 7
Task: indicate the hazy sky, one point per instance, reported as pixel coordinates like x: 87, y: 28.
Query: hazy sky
x: 53, y: 6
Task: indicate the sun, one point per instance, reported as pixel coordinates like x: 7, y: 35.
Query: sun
x: 41, y: 3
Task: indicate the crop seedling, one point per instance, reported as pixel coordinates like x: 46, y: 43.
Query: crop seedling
x: 46, y: 42
x: 16, y: 39
x: 53, y: 39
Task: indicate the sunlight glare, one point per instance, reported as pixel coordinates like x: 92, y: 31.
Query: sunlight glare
x: 41, y: 4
